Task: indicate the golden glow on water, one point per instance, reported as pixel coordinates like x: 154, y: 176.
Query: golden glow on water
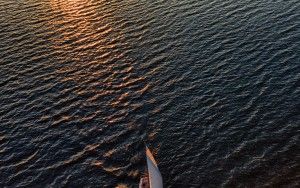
x: 68, y: 5
x: 71, y: 15
x: 92, y: 38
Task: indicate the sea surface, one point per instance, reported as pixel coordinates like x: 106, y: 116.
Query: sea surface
x: 211, y: 86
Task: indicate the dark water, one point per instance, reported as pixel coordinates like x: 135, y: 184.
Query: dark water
x: 212, y: 86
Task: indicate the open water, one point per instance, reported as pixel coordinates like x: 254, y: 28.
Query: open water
x: 212, y: 86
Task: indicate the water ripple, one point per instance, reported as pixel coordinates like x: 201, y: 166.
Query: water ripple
x: 211, y: 86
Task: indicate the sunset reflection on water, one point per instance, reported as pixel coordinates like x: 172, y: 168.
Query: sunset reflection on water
x: 211, y: 84
x: 95, y: 54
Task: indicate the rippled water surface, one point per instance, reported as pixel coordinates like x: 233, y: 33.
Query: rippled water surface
x: 212, y: 86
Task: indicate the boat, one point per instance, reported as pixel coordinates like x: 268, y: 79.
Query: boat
x: 153, y: 178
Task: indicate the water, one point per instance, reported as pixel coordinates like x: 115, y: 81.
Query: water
x: 211, y: 86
